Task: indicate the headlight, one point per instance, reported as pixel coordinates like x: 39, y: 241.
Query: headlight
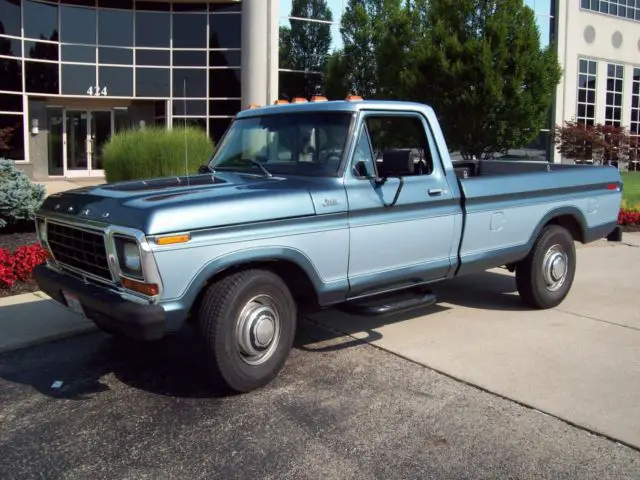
x: 42, y: 230
x: 129, y: 257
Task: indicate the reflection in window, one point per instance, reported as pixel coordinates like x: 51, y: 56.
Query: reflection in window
x: 12, y: 137
x: 77, y: 25
x: 189, y: 82
x: 217, y: 127
x: 161, y: 6
x: 225, y: 7
x: 115, y: 27
x: 153, y: 29
x: 10, y: 75
x: 613, y: 110
x: 10, y: 47
x: 41, y: 51
x: 10, y: 103
x: 54, y: 139
x: 78, y: 79
x: 189, y: 58
x: 119, y: 4
x: 78, y: 53
x: 152, y: 82
x: 159, y: 58
x: 117, y: 56
x: 225, y: 31
x: 588, y: 70
x: 189, y: 30
x: 193, y: 108
x: 224, y: 58
x: 118, y: 81
x: 224, y: 83
x: 41, y: 77
x: 224, y: 107
x: 40, y: 20
x: 10, y: 17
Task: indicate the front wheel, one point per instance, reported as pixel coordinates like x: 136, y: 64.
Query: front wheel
x: 545, y: 277
x: 247, y: 322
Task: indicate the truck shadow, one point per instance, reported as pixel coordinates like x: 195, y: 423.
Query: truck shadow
x: 485, y: 291
x: 175, y: 367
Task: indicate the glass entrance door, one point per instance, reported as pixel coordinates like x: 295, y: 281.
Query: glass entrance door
x: 85, y: 133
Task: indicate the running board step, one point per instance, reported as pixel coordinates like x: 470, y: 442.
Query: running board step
x: 391, y: 303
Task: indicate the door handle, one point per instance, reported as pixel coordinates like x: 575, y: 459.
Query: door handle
x: 434, y: 192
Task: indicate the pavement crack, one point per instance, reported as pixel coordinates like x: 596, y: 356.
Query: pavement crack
x: 637, y: 329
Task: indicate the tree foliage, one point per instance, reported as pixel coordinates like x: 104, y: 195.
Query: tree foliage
x: 304, y: 46
x: 478, y: 63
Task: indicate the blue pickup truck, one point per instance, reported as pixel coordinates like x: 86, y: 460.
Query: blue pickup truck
x: 353, y: 204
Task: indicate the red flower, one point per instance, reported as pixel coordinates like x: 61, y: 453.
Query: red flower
x: 26, y: 258
x: 628, y: 217
x: 7, y: 275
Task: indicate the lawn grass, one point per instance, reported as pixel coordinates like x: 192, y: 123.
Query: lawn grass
x: 631, y: 192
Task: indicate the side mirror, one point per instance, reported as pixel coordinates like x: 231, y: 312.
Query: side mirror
x: 396, y: 163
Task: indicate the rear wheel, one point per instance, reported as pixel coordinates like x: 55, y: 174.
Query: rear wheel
x: 545, y: 277
x: 247, y: 322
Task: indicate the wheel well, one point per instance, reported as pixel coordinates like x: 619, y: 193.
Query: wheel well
x: 292, y: 274
x: 571, y: 224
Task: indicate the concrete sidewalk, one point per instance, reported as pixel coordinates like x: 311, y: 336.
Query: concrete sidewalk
x: 579, y: 362
x: 33, y: 318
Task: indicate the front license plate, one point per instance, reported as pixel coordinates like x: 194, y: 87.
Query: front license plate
x: 73, y: 302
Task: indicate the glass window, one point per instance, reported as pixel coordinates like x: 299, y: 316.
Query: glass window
x: 189, y: 7
x: 41, y: 51
x: 120, y: 4
x: 10, y: 15
x: 152, y: 82
x: 153, y: 29
x: 189, y: 82
x: 116, y: 81
x: 613, y: 110
x: 189, y: 58
x: 10, y: 103
x: 115, y: 27
x: 587, y: 92
x: 224, y: 58
x: 118, y: 56
x: 11, y: 76
x: 224, y: 107
x: 189, y: 30
x: 191, y: 108
x: 143, y: 5
x: 224, y: 83
x: 160, y: 58
x: 225, y: 31
x: 200, y: 123
x: 54, y: 140
x: 40, y: 20
x: 295, y: 144
x: 363, y: 163
x: 42, y: 77
x: 12, y: 137
x: 293, y: 84
x: 78, y: 79
x: 78, y: 53
x: 10, y: 47
x: 225, y: 7
x: 217, y: 127
x: 77, y: 25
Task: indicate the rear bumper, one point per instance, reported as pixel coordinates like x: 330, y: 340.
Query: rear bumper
x: 615, y: 235
x: 108, y: 310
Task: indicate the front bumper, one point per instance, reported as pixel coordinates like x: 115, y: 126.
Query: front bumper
x: 108, y: 310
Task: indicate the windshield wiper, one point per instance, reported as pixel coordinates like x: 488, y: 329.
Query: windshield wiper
x: 260, y: 166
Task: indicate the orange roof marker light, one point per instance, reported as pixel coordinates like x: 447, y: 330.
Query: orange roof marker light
x: 354, y: 98
x: 318, y: 98
x: 299, y: 100
x: 281, y: 102
x: 253, y: 105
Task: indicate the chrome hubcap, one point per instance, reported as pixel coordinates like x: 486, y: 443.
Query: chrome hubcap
x: 258, y: 330
x: 555, y: 268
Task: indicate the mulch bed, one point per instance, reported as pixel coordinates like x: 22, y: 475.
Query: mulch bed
x: 10, y: 239
x: 631, y: 228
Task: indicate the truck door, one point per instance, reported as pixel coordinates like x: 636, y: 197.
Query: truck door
x: 411, y: 242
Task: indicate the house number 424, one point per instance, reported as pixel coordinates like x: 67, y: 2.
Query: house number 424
x: 97, y: 91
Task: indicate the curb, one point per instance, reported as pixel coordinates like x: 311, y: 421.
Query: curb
x: 83, y: 330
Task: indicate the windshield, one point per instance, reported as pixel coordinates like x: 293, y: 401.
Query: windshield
x: 289, y: 144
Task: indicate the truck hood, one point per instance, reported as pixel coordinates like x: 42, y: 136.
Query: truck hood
x: 199, y: 201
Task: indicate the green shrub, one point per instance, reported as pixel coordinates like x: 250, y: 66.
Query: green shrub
x: 155, y: 152
x: 19, y: 197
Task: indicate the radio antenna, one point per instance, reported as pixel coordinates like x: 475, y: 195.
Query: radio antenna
x: 186, y: 143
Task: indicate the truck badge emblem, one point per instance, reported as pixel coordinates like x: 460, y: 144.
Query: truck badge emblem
x: 85, y: 212
x: 105, y: 215
x: 330, y: 202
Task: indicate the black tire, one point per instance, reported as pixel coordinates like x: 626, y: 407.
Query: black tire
x: 533, y: 285
x: 219, y: 318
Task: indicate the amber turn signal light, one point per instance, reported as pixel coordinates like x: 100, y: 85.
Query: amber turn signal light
x: 149, y: 289
x: 172, y: 239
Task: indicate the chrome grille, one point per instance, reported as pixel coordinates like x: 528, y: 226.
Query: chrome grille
x: 79, y: 249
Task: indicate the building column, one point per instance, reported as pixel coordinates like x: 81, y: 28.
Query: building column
x: 260, y: 47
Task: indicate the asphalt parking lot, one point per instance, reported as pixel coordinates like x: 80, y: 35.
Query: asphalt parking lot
x: 340, y: 409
